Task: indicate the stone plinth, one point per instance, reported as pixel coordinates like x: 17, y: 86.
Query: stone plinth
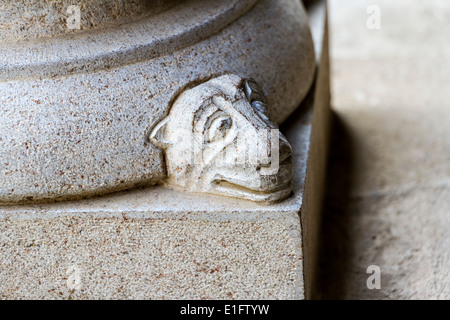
x: 157, y: 243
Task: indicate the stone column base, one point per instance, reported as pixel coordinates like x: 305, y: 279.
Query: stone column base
x: 157, y: 243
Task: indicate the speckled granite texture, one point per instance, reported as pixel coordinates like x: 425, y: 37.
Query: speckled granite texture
x: 36, y: 19
x: 121, y: 258
x: 77, y: 111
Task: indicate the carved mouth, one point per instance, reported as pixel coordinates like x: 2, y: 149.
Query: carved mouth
x: 270, y: 196
x: 237, y: 189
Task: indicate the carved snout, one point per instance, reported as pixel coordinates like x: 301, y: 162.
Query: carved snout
x: 278, y: 152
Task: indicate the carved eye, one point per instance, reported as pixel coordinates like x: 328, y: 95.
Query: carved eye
x: 254, y: 93
x: 261, y: 107
x: 256, y: 98
x: 219, y: 127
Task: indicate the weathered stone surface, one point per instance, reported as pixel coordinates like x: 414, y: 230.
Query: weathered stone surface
x: 388, y: 200
x: 121, y: 257
x: 33, y: 19
x: 74, y: 126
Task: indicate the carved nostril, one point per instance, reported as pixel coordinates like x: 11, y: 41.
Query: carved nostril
x: 285, y: 148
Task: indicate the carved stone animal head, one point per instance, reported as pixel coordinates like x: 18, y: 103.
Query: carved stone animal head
x: 218, y: 139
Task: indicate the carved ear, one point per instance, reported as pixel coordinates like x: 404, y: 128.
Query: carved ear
x: 158, y: 136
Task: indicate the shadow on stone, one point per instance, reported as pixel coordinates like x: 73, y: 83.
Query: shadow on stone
x: 334, y: 251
